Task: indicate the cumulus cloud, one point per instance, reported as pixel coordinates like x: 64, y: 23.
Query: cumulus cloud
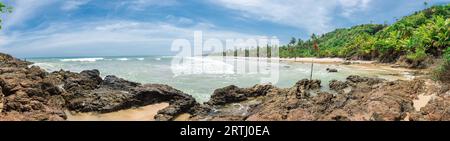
x: 351, y: 6
x: 24, y: 10
x: 179, y: 20
x: 125, y: 34
x: 142, y: 4
x: 73, y: 4
x: 315, y: 16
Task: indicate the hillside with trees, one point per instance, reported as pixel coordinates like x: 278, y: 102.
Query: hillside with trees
x: 414, y: 37
x: 415, y: 41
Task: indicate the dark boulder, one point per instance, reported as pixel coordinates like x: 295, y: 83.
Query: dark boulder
x: 331, y: 70
x: 98, y: 100
x: 116, y: 83
x: 154, y: 93
x: 232, y: 94
x: 302, y: 88
x: 360, y: 79
x: 307, y: 84
x: 226, y: 95
x: 86, y: 80
x: 337, y: 85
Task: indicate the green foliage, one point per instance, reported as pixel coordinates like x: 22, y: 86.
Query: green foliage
x: 333, y: 44
x: 442, y: 73
x: 293, y: 41
x: 446, y: 56
x: 418, y: 36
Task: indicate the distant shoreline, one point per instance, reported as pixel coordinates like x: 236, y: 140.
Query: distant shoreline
x: 327, y: 60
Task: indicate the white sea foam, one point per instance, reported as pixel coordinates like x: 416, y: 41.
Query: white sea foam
x: 140, y: 59
x: 158, y: 59
x: 46, y: 66
x: 197, y: 65
x: 123, y: 59
x: 81, y: 59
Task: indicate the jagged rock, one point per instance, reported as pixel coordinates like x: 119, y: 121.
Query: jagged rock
x: 331, y: 70
x: 231, y: 94
x: 308, y: 84
x: 302, y: 87
x: 259, y: 90
x: 30, y: 93
x: 323, y: 98
x: 300, y: 115
x: 7, y: 60
x: 226, y: 95
x: 1, y: 100
x: 116, y: 83
x: 99, y: 100
x: 369, y: 81
x: 92, y: 74
x: 436, y: 110
x: 391, y: 101
x: 337, y: 85
x: 86, y: 80
x: 179, y: 101
x: 26, y: 92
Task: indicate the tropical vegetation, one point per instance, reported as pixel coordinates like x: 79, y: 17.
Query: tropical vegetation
x: 416, y: 37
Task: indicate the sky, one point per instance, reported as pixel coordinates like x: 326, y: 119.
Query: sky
x: 61, y: 28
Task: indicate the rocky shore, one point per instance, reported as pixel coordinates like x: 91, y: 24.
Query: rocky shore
x: 30, y: 93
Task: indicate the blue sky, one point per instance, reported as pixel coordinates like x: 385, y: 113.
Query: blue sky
x: 46, y: 28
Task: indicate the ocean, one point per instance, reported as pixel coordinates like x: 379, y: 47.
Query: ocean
x: 215, y: 72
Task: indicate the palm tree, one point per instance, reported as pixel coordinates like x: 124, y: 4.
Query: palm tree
x: 293, y: 41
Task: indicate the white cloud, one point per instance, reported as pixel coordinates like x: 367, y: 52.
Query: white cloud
x: 123, y: 34
x: 179, y: 20
x: 27, y: 9
x: 142, y: 4
x: 313, y: 15
x: 73, y: 4
x: 24, y: 10
x: 352, y: 6
x: 117, y: 26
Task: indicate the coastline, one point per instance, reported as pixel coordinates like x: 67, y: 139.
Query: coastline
x: 305, y: 60
x: 326, y: 60
x: 30, y: 93
x: 384, y: 69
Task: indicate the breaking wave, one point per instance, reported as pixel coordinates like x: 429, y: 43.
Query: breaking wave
x: 123, y: 59
x: 81, y: 59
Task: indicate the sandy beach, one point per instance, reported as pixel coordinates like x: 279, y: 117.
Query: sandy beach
x: 145, y: 113
x: 325, y: 60
x: 304, y: 59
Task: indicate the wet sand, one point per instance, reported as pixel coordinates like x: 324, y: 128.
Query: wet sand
x: 386, y: 71
x: 324, y: 60
x: 183, y: 117
x: 145, y: 113
x: 422, y: 101
x: 310, y: 59
x: 305, y: 59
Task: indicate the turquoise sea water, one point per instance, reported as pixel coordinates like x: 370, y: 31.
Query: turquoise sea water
x: 160, y: 69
